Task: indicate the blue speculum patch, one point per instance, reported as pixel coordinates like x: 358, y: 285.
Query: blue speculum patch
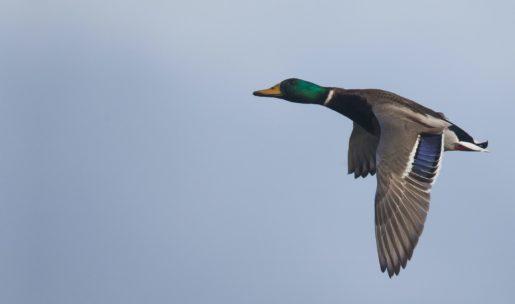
x: 426, y: 158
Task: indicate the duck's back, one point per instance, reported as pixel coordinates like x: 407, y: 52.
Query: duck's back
x: 377, y: 96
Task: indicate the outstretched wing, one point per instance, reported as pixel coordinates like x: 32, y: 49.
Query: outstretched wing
x: 362, y: 152
x: 408, y: 163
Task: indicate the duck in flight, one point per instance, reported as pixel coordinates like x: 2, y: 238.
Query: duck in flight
x: 400, y: 140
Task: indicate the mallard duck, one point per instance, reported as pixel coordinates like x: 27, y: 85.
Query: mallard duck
x: 400, y: 140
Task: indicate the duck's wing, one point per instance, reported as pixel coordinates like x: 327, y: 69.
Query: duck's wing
x: 408, y: 161
x: 362, y: 152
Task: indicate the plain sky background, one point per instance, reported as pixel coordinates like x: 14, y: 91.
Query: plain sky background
x: 136, y: 166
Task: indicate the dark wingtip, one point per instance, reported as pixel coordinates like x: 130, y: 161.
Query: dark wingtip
x: 390, y: 273
x: 363, y: 174
x: 483, y: 145
x: 404, y: 263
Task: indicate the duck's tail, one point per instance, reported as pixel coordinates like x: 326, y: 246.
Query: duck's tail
x: 456, y: 139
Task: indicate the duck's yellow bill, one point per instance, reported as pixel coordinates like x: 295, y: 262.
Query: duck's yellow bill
x: 274, y: 91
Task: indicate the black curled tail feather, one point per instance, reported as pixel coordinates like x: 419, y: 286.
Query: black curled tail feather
x: 483, y: 145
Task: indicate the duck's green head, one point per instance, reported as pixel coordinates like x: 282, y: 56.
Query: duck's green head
x: 296, y: 90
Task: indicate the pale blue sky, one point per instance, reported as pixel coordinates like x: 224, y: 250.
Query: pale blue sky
x: 136, y: 166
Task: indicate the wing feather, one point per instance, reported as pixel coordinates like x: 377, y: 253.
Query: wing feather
x: 362, y: 152
x: 404, y: 181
